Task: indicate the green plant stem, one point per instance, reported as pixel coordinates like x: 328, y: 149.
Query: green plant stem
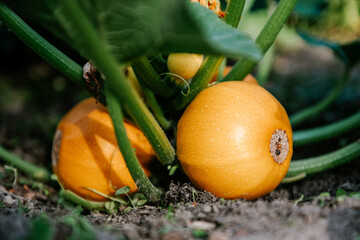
x: 211, y: 63
x: 303, y: 137
x: 265, y: 39
x: 233, y: 12
x: 147, y: 74
x: 90, y: 205
x: 304, y: 114
x: 135, y: 169
x: 155, y: 107
x: 199, y: 82
x: 124, y: 91
x: 324, y: 162
x: 30, y: 169
x: 44, y: 49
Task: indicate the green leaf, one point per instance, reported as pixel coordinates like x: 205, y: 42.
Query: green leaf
x: 111, y: 206
x: 355, y: 195
x: 173, y: 170
x: 135, y: 28
x: 310, y: 8
x: 341, y: 193
x: 199, y: 233
x: 122, y: 190
x: 141, y: 202
x: 41, y: 229
x: 127, y: 209
x: 81, y: 228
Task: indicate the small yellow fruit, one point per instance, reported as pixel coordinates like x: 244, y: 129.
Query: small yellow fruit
x: 186, y: 65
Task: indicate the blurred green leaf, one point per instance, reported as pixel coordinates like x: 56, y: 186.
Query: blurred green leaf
x: 340, y: 192
x: 355, y: 195
x: 111, y: 206
x: 349, y: 53
x: 141, y: 202
x: 122, y: 190
x: 134, y: 28
x: 199, y: 233
x: 41, y: 229
x: 310, y: 8
x: 81, y: 228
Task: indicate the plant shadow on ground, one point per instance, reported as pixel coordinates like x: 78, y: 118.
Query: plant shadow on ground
x: 34, y: 97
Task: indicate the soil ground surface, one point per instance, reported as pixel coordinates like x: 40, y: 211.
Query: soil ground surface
x: 34, y: 97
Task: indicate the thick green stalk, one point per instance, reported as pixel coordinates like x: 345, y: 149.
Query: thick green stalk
x: 304, y: 114
x: 265, y: 39
x: 147, y: 74
x: 125, y: 93
x: 44, y: 49
x: 211, y: 63
x: 132, y: 163
x: 303, y: 137
x: 30, y: 169
x: 311, y: 166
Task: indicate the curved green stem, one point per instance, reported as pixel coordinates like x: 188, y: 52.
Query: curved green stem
x: 294, y: 178
x: 155, y: 108
x: 132, y: 163
x: 90, y: 205
x: 302, y: 115
x: 44, y: 49
x: 303, y: 137
x: 324, y: 162
x: 115, y: 79
x: 265, y: 39
x: 199, y: 82
x: 211, y: 63
x: 30, y: 169
x: 147, y: 74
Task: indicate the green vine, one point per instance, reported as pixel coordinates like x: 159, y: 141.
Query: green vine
x: 30, y: 169
x: 132, y: 163
x: 265, y: 39
x: 155, y: 107
x: 90, y: 205
x: 303, y: 137
x: 311, y: 166
x: 304, y: 114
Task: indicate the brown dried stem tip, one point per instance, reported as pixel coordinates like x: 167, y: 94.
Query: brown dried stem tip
x: 279, y: 146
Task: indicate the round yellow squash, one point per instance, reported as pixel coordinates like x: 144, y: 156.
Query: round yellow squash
x: 235, y: 141
x: 86, y: 155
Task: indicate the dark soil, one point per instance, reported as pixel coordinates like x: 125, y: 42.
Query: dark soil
x: 275, y: 216
x: 34, y: 97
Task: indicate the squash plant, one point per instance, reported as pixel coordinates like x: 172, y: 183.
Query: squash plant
x: 112, y: 35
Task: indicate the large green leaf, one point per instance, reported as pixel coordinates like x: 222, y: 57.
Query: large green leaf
x: 131, y: 28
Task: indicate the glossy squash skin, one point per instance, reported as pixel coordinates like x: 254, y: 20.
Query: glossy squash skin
x: 227, y: 137
x: 85, y: 152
